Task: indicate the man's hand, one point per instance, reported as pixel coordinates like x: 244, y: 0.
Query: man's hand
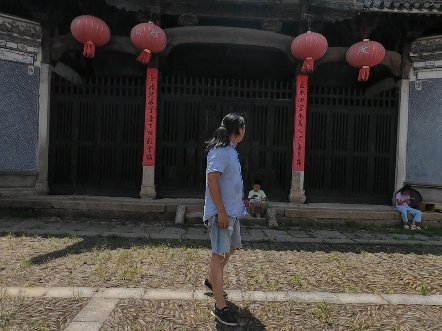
x: 223, y: 221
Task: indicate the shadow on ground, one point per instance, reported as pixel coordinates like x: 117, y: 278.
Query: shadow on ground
x: 247, y: 322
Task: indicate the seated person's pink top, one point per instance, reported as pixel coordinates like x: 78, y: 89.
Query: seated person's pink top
x: 400, y: 196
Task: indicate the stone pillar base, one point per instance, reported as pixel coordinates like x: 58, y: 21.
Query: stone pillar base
x: 297, y: 193
x: 42, y: 188
x: 148, y: 187
x: 148, y: 192
x: 297, y: 197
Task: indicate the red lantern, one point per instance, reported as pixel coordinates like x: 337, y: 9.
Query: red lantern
x: 363, y: 55
x: 150, y: 38
x: 309, y: 47
x: 91, y: 31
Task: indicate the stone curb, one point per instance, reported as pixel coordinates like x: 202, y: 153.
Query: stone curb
x: 234, y: 295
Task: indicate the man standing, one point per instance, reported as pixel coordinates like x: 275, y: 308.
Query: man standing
x: 223, y: 206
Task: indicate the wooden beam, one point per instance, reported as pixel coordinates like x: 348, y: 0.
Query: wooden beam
x: 226, y: 35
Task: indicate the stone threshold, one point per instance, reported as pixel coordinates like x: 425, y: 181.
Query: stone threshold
x: 234, y: 295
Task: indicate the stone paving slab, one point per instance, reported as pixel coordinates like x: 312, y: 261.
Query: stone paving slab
x: 97, y: 310
x: 84, y: 326
x: 163, y: 294
x: 196, y: 234
x: 412, y: 299
x: 278, y: 235
x: 298, y: 234
x: 30, y: 292
x: 168, y: 233
x: 120, y: 293
x: 70, y: 292
x: 361, y: 298
x: 313, y: 297
x: 200, y: 233
x: 100, y: 296
x: 328, y: 234
x: 436, y: 298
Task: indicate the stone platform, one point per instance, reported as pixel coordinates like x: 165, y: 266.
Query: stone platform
x: 182, y: 211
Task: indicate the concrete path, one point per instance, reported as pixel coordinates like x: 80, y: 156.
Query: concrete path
x: 103, y: 301
x: 56, y: 226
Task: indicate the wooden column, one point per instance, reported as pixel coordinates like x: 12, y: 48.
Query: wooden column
x: 297, y: 193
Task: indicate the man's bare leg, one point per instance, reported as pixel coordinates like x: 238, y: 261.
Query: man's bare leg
x: 216, y: 276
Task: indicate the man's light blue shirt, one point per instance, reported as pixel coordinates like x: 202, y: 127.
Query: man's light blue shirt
x: 226, y: 161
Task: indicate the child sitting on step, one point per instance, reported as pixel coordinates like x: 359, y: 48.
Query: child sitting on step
x: 257, y: 199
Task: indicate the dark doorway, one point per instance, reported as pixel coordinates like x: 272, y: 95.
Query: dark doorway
x: 96, y: 136
x: 191, y: 109
x: 351, y: 146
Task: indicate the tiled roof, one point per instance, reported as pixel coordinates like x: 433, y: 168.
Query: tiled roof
x: 407, y: 6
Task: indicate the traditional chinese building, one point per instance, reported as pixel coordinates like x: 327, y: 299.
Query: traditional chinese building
x: 106, y: 126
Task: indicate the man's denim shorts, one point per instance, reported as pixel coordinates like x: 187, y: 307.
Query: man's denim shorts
x: 223, y: 239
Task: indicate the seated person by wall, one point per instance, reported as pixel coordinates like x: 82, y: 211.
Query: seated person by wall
x: 403, y: 202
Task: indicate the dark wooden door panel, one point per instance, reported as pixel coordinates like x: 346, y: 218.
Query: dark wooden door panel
x: 96, y: 137
x: 190, y: 110
x: 351, y: 146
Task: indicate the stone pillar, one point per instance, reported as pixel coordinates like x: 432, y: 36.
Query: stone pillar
x: 402, y: 133
x: 297, y: 193
x: 150, y: 123
x: 148, y: 184
x: 41, y: 185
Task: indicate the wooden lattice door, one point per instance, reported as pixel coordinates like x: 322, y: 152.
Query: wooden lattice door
x: 351, y: 146
x: 96, y: 136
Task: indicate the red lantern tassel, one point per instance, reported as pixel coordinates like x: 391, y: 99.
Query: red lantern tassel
x: 308, y: 65
x: 89, y: 50
x: 145, y: 56
x: 364, y: 72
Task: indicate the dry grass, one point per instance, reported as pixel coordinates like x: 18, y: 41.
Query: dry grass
x: 267, y: 266
x: 143, y: 315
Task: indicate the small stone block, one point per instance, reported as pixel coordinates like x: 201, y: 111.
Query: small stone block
x: 163, y: 294
x: 313, y: 297
x: 278, y: 296
x: 234, y: 295
x: 347, y: 298
x: 120, y: 293
x: 84, y: 326
x: 404, y: 299
x: 298, y: 234
x: 436, y: 298
x: 254, y: 296
x: 180, y: 215
x: 70, y: 292
x: 168, y: 233
x: 27, y: 292
x: 202, y: 295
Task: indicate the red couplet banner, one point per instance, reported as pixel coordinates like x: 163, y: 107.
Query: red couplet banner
x: 300, y: 123
x: 150, y: 119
